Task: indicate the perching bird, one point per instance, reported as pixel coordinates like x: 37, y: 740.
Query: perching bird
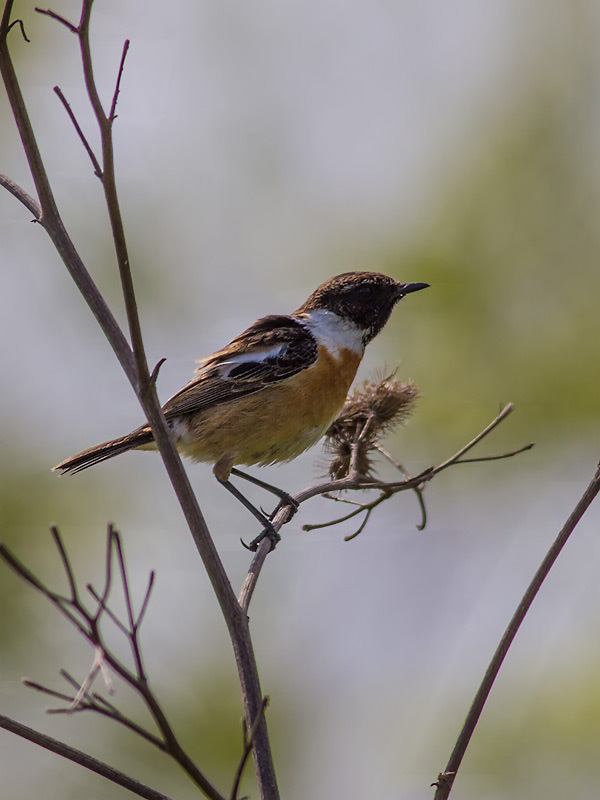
x: 273, y: 391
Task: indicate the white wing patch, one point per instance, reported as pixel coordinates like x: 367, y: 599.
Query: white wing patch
x: 256, y: 355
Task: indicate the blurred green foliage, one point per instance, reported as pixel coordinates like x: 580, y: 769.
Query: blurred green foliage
x: 541, y: 741
x: 511, y: 252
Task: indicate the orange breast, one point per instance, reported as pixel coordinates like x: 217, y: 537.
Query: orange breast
x: 277, y: 423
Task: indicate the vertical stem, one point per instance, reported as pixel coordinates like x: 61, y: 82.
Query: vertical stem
x: 446, y: 779
x: 134, y: 364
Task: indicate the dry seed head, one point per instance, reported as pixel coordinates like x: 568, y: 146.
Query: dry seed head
x: 375, y: 407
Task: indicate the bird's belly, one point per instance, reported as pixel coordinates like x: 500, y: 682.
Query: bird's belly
x: 275, y: 424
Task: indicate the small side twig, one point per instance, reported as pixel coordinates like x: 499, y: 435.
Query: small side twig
x: 113, y: 106
x: 46, y: 12
x: 19, y: 22
x: 248, y: 736
x: 95, y: 163
x: 22, y: 196
x: 92, y: 702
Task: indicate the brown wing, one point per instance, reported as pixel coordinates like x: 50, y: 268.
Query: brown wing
x: 271, y: 350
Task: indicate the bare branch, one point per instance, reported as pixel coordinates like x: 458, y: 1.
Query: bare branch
x: 37, y: 687
x: 156, y: 370
x: 508, y: 409
x: 19, y: 22
x: 133, y: 630
x: 22, y: 196
x: 66, y: 563
x: 417, y: 490
x: 360, y: 507
x: 446, y: 778
x: 92, y: 702
x: 361, y: 527
x: 63, y: 20
x: 248, y: 742
x: 80, y: 133
x: 102, y: 607
x: 87, y: 623
x: 79, y: 757
x: 355, y: 481
x: 113, y: 106
x: 133, y: 361
x: 146, y: 599
x: 510, y: 454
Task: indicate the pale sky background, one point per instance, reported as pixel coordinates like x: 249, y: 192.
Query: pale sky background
x: 262, y: 148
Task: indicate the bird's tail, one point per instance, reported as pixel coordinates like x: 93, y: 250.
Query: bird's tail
x: 104, y: 450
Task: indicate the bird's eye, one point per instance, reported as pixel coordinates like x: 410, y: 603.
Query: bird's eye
x: 365, y: 290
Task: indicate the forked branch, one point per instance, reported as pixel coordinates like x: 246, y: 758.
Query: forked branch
x: 354, y: 480
x: 88, y: 622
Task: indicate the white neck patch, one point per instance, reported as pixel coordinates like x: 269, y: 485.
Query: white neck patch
x: 335, y: 332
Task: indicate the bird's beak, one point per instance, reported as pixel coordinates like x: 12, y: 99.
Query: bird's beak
x: 407, y: 288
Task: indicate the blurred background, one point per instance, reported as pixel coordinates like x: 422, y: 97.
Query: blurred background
x: 262, y: 148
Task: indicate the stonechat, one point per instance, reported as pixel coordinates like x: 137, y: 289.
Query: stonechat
x: 273, y: 391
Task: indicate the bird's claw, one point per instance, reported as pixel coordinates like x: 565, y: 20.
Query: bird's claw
x: 286, y: 501
x: 269, y: 533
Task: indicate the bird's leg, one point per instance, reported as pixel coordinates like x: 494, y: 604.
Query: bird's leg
x: 285, y: 498
x: 223, y: 469
x: 268, y: 531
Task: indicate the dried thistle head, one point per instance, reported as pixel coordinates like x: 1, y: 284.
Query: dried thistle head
x: 373, y: 409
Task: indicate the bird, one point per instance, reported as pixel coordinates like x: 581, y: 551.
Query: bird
x: 273, y: 391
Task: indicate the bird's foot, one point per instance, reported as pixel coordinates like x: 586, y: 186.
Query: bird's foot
x: 286, y: 501
x: 268, y: 532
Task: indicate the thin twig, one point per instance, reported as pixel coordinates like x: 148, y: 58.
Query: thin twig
x: 19, y: 22
x: 79, y: 757
x: 248, y: 743
x: 336, y: 498
x: 63, y: 20
x: 102, y: 607
x: 94, y: 702
x: 66, y: 563
x: 313, y: 526
x: 360, y: 528
x: 37, y: 687
x: 113, y: 106
x: 133, y: 632
x: 102, y: 600
x: 508, y: 409
x: 446, y: 778
x: 156, y: 370
x: 79, y: 131
x: 22, y: 196
x: 416, y: 489
x: 510, y: 454
x: 146, y: 600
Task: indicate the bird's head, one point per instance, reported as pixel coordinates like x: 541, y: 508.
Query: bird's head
x: 364, y: 298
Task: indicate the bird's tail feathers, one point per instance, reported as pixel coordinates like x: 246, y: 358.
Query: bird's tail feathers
x: 103, y: 451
